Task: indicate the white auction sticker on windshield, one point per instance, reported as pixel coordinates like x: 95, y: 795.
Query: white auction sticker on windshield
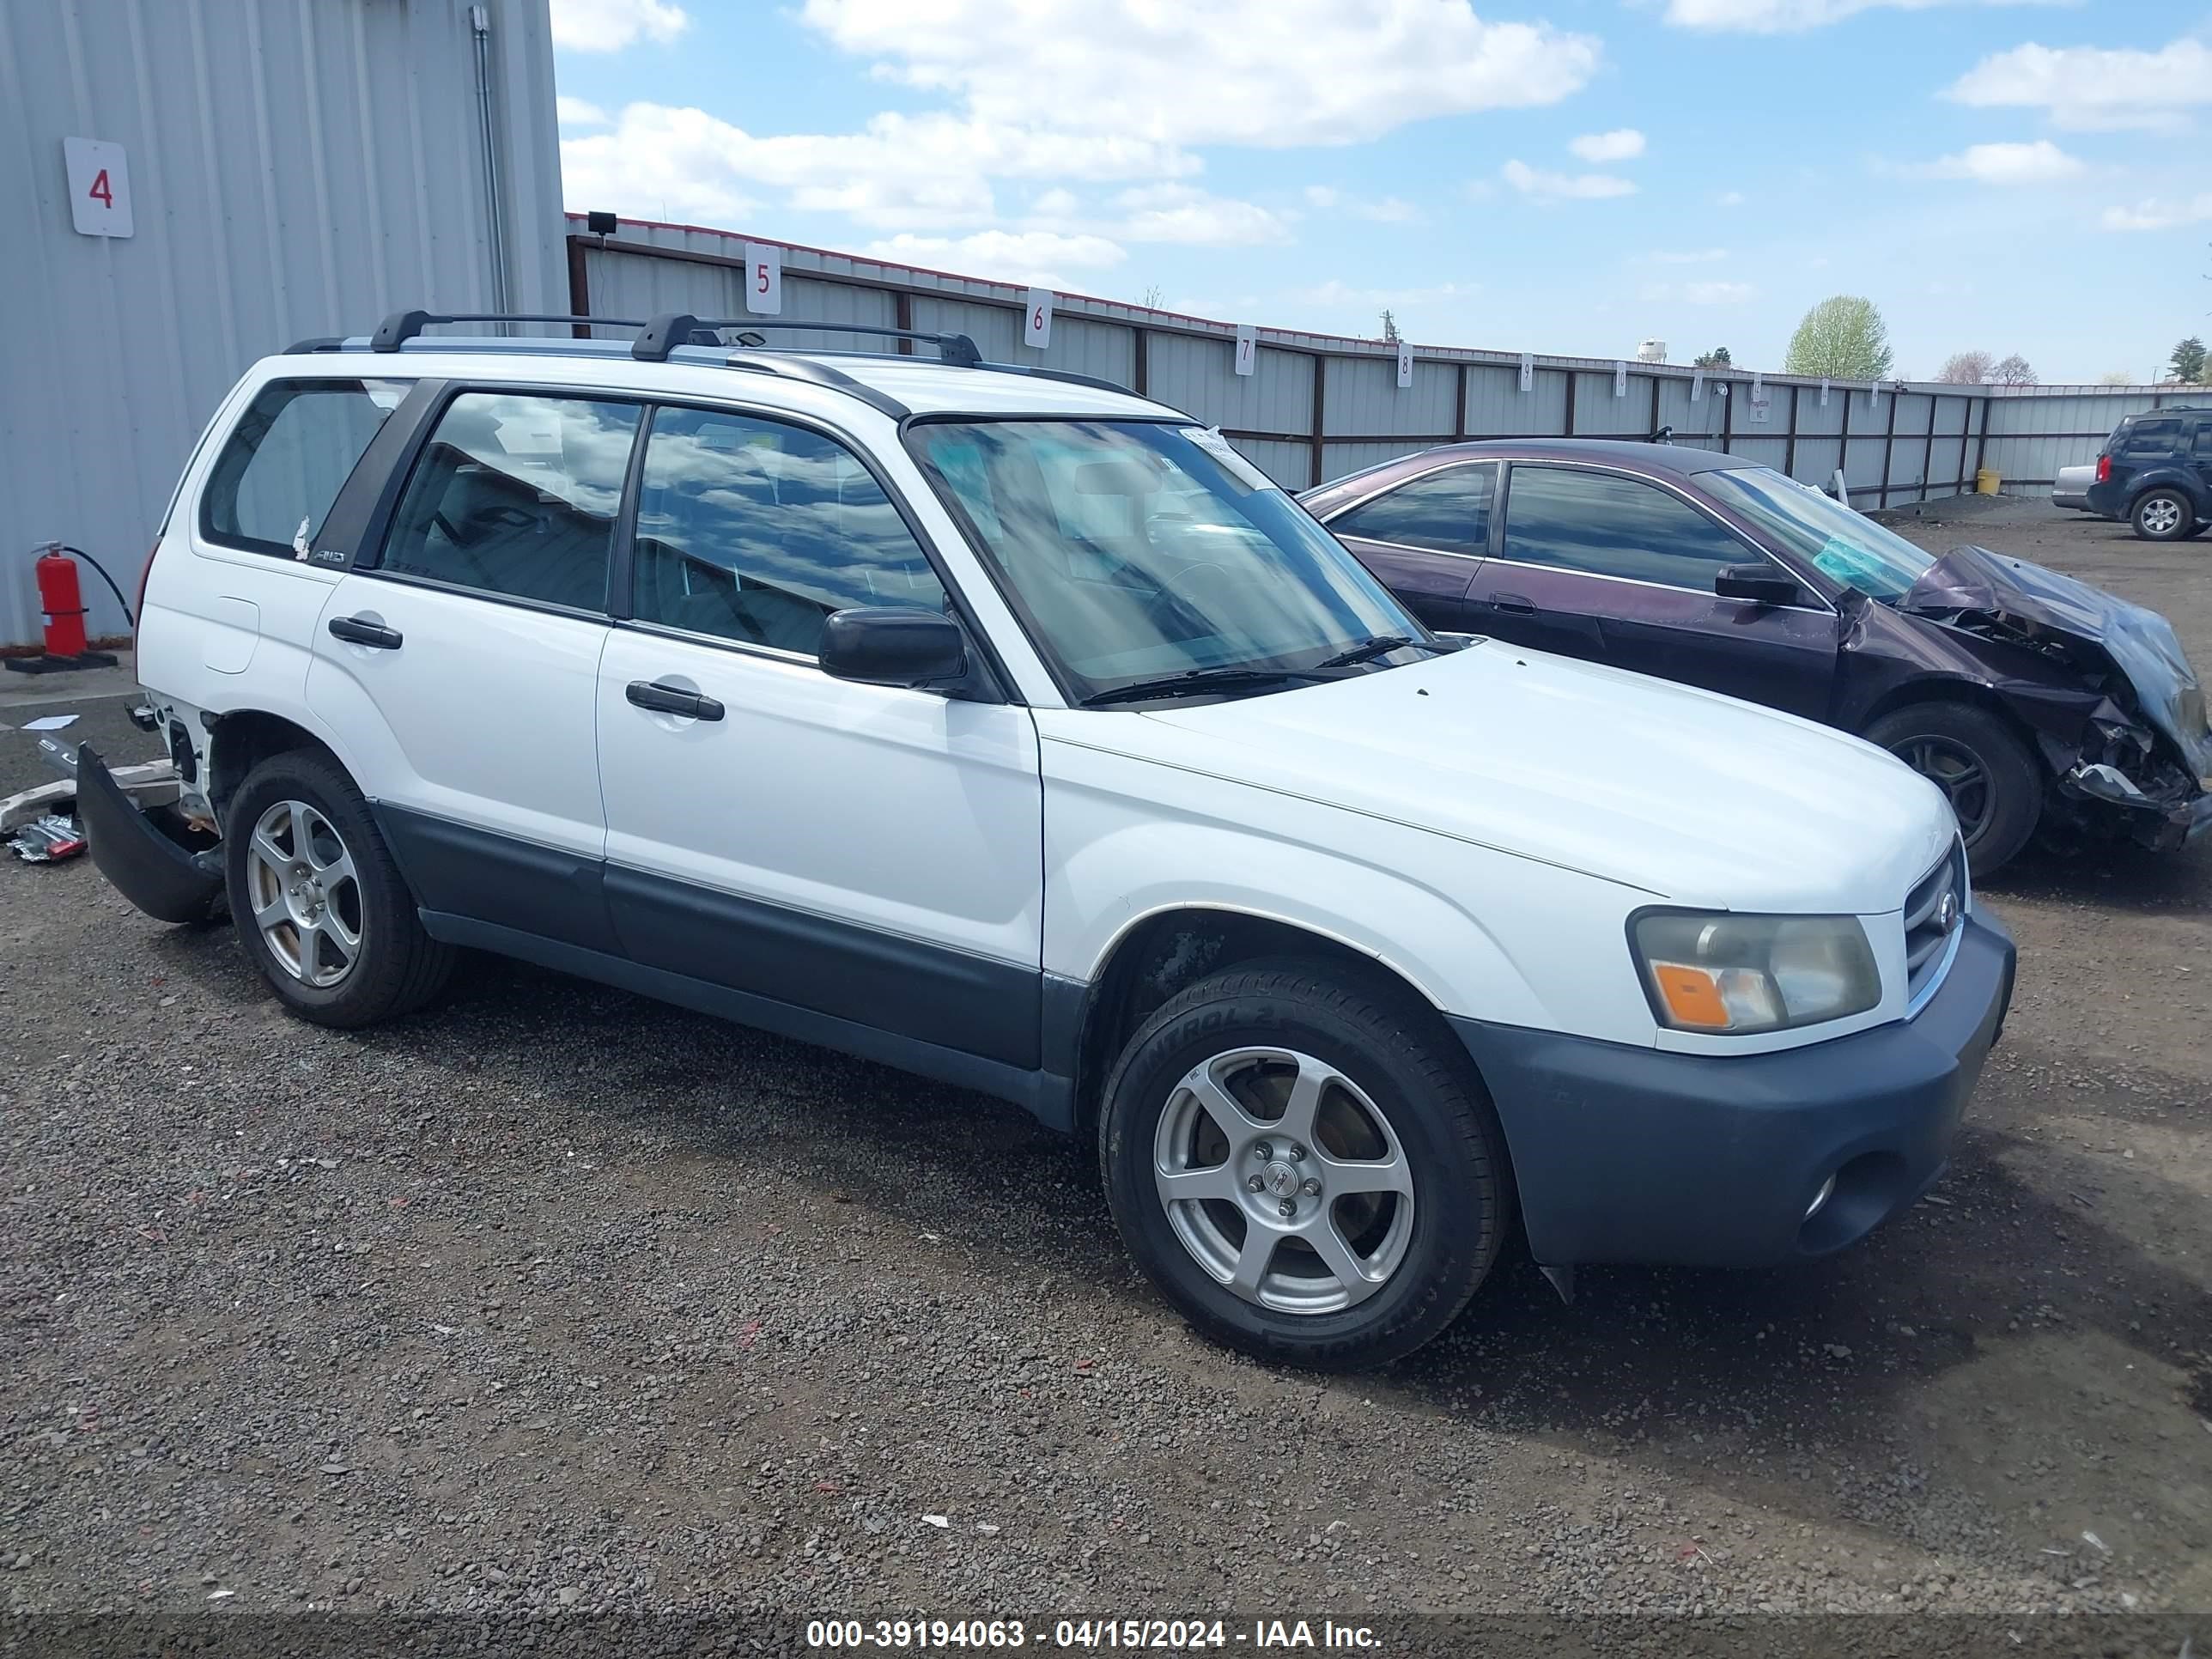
x: 1209, y: 439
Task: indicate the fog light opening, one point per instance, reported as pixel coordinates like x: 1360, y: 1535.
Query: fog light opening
x: 1820, y: 1199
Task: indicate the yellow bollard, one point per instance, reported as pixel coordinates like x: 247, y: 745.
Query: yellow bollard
x: 1986, y: 481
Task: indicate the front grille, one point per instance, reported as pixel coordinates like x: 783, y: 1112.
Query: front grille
x: 1929, y: 922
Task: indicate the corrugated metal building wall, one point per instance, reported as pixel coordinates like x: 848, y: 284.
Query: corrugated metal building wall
x: 1900, y: 444
x: 296, y: 168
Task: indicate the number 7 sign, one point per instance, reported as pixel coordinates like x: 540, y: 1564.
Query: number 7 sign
x: 764, y: 279
x: 98, y: 186
x: 1247, y: 346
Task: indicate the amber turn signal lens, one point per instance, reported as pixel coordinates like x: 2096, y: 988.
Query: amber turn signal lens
x: 1692, y: 997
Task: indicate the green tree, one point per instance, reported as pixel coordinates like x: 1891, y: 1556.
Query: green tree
x: 2187, y: 364
x: 1843, y: 338
x: 1716, y: 358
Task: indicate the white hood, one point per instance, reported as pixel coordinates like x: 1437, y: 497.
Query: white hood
x: 1695, y: 799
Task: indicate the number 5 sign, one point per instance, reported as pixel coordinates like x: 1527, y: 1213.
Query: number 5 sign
x: 763, y: 280
x: 1036, y: 320
x: 98, y: 187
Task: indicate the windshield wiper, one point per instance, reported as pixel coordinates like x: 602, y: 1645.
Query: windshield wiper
x: 1198, y: 682
x: 1381, y: 646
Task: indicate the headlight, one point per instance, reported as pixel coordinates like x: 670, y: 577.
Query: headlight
x: 1708, y: 972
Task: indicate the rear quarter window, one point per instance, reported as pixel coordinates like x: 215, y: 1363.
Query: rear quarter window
x: 287, y: 458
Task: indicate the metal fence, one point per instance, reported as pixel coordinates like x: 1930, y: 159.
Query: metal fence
x: 1317, y: 406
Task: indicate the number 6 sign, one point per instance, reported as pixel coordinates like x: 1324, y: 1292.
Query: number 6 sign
x: 1036, y: 319
x: 764, y: 279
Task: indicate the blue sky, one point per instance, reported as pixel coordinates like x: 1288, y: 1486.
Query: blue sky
x: 1571, y: 176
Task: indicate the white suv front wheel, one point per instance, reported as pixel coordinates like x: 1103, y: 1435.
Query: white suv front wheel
x: 319, y: 905
x: 1301, y: 1168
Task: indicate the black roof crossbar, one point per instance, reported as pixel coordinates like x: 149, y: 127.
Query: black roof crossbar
x: 402, y: 326
x: 672, y: 328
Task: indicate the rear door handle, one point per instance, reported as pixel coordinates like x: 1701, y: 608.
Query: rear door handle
x: 356, y: 630
x: 672, y: 700
x: 1513, y: 604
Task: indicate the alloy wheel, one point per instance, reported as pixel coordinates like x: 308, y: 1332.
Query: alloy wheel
x: 1959, y: 773
x: 1283, y: 1181
x: 2162, y: 517
x: 305, y: 893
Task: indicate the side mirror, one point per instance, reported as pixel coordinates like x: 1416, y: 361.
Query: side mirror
x: 1761, y: 584
x: 893, y: 645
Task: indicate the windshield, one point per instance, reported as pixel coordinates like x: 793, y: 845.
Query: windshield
x: 1137, y: 549
x: 1846, y: 545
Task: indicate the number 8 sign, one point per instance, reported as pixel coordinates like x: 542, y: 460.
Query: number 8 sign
x: 1037, y: 319
x: 764, y: 279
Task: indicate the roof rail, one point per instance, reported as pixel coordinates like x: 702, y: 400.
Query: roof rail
x: 814, y: 373
x: 402, y: 326
x: 319, y: 343
x: 675, y: 328
x: 1036, y: 372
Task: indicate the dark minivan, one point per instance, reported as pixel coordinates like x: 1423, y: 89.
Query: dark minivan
x: 2156, y: 472
x: 2035, y: 702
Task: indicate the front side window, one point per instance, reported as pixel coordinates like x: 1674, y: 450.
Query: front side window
x: 288, y: 458
x: 1138, y: 550
x: 1606, y: 524
x: 517, y: 495
x: 1447, y: 511
x: 1847, y: 546
x: 754, y: 531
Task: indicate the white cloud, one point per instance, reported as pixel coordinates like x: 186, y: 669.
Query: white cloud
x: 576, y: 113
x: 1715, y: 291
x: 1267, y: 73
x: 610, y: 25
x: 1563, y: 186
x: 1033, y: 256
x: 1729, y: 198
x: 1784, y: 17
x: 1704, y: 256
x: 1324, y: 195
x: 1180, y: 213
x: 2039, y: 163
x: 900, y: 173
x: 2094, y: 87
x: 1621, y: 144
x: 2157, y: 215
x: 1389, y: 210
x: 1336, y: 292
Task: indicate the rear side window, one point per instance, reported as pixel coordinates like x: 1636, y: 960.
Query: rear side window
x: 753, y: 531
x: 1447, y: 511
x: 288, y: 458
x: 2204, y: 437
x: 2149, y: 438
x: 517, y: 495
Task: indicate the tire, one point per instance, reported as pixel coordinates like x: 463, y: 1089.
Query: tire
x: 1392, y: 1096
x: 1999, y: 804
x: 294, y: 913
x: 2163, y: 515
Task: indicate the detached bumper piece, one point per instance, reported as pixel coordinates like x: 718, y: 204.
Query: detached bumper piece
x: 2159, y: 823
x: 168, y: 880
x: 1637, y: 1155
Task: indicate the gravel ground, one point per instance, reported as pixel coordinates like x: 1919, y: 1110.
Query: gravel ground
x: 554, y: 1299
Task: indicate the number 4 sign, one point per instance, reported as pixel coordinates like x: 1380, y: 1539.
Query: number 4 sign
x: 1247, y: 346
x: 1036, y: 321
x: 764, y: 279
x: 98, y: 187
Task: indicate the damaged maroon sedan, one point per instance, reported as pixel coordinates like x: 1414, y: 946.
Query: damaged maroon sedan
x: 2042, y: 707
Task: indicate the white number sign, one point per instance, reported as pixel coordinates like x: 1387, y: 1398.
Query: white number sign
x: 1247, y: 346
x: 98, y: 186
x: 1759, y: 390
x: 1824, y: 394
x: 1528, y: 371
x: 1697, y: 386
x: 1036, y: 320
x: 1404, y: 365
x: 1620, y: 377
x: 763, y: 280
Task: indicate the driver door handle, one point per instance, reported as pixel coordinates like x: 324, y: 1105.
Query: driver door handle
x: 1513, y: 604
x: 672, y: 700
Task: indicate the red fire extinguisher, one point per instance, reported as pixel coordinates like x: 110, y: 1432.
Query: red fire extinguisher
x: 63, y: 601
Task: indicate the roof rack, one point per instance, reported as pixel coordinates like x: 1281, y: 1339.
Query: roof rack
x: 674, y: 328
x: 402, y: 326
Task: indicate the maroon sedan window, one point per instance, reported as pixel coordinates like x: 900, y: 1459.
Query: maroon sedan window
x: 1607, y: 525
x: 1447, y: 511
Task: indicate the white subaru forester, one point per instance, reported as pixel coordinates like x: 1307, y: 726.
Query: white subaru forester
x: 1013, y: 729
